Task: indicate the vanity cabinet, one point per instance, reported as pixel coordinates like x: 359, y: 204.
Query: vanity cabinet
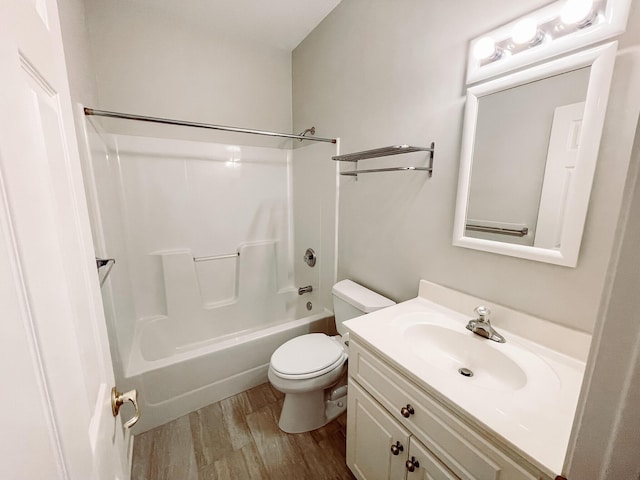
x: 380, y: 448
x: 391, y: 421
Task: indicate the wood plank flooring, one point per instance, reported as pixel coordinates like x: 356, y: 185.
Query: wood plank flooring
x: 238, y: 438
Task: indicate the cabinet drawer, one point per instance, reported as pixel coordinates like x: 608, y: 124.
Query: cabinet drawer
x: 463, y: 450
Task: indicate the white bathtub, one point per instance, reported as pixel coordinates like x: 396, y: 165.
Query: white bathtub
x: 172, y: 382
x: 207, y: 275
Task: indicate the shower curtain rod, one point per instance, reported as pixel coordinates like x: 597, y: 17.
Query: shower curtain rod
x: 168, y: 121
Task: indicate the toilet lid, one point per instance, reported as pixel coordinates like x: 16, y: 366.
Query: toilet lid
x: 307, y: 356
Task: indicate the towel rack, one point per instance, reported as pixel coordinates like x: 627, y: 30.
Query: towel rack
x: 514, y: 232
x: 384, y: 152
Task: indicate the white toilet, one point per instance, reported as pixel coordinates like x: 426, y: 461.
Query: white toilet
x: 311, y: 369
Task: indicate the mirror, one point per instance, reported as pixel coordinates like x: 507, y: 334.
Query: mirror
x: 530, y: 146
x: 524, y: 150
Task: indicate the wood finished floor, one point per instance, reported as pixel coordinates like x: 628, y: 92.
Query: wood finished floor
x: 238, y: 438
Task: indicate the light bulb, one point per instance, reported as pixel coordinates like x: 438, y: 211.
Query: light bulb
x: 577, y: 12
x: 485, y: 48
x: 526, y: 32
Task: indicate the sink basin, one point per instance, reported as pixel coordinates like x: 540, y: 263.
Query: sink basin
x: 457, y: 355
x: 450, y: 351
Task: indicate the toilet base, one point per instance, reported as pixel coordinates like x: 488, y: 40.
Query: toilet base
x: 313, y: 402
x: 335, y: 408
x: 303, y: 412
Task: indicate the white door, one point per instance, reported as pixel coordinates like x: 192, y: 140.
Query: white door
x: 562, y: 157
x: 55, y: 365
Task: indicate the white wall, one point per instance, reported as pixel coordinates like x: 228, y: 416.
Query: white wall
x: 381, y: 73
x: 78, y: 57
x: 149, y: 63
x: 608, y: 412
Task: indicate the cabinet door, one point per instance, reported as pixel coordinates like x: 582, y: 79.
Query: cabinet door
x: 371, y: 433
x: 425, y: 465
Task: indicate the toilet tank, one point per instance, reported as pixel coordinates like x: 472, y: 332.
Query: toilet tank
x: 352, y: 300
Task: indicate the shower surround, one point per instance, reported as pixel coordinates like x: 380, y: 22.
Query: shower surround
x: 208, y: 260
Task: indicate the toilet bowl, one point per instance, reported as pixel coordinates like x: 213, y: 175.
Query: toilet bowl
x: 311, y: 370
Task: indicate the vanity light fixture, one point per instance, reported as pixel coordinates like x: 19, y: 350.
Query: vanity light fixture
x: 486, y: 49
x: 526, y: 32
x: 579, y: 13
x: 556, y: 29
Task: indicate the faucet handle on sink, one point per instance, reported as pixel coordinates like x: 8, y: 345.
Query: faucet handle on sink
x: 482, y: 312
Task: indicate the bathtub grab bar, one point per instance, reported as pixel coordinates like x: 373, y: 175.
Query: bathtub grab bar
x: 216, y: 257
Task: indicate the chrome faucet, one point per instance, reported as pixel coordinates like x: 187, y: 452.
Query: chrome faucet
x: 307, y: 289
x: 482, y: 326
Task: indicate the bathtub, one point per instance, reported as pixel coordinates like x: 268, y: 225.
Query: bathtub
x: 207, y: 275
x: 173, y: 381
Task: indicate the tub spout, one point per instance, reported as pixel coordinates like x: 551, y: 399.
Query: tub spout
x: 307, y: 289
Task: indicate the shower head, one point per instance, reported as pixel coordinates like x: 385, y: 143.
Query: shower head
x: 311, y: 130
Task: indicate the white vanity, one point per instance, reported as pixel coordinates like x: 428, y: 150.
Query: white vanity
x: 414, y: 412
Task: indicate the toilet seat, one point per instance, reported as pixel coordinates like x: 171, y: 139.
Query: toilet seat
x: 307, y: 356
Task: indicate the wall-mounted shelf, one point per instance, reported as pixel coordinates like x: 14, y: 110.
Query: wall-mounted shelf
x: 384, y: 152
x: 354, y: 173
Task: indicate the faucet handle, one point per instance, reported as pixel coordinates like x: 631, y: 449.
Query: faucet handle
x: 482, y: 312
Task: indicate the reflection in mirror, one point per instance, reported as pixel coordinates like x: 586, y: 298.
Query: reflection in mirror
x: 529, y: 151
x: 524, y: 155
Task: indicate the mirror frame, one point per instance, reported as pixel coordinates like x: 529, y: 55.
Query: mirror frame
x: 601, y: 60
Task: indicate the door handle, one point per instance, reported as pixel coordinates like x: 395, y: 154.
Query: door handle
x: 117, y: 399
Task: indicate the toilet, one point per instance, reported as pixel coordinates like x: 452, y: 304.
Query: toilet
x: 311, y: 370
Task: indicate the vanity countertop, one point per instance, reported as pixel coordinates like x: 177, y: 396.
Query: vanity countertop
x: 522, y: 392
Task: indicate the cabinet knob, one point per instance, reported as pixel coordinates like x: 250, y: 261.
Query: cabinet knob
x: 407, y: 411
x: 397, y: 448
x: 412, y: 464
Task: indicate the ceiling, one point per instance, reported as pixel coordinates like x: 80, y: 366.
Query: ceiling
x: 276, y: 23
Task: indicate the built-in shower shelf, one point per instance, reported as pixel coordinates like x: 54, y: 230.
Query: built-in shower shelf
x: 385, y: 152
